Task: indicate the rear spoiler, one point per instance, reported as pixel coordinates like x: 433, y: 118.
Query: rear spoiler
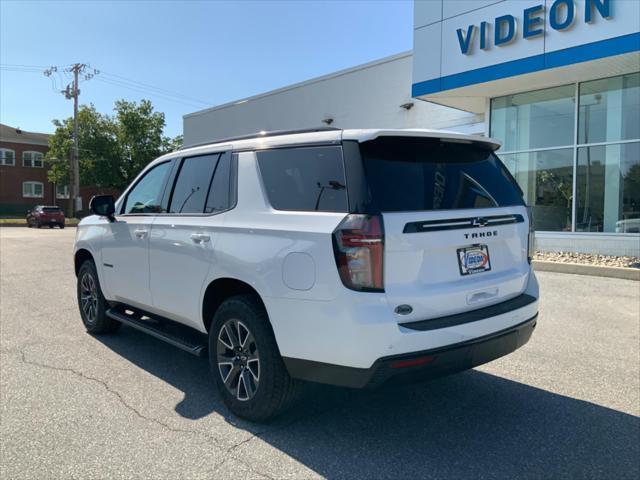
x: 445, y: 136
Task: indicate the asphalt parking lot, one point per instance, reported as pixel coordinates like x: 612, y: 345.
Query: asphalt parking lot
x: 566, y: 405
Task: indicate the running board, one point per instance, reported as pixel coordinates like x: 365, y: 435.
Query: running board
x: 180, y: 336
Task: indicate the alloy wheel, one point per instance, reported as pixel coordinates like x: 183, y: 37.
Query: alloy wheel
x: 238, y: 360
x: 89, y: 297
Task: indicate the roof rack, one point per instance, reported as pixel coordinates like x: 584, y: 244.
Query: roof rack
x: 263, y: 134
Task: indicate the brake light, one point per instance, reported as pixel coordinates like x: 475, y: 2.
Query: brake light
x: 414, y: 362
x: 358, y: 245
x: 531, y: 240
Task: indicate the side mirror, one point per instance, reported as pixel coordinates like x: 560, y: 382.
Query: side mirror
x: 103, y: 205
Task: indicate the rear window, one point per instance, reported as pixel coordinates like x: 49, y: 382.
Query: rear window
x: 411, y: 174
x: 307, y: 179
x: 51, y: 209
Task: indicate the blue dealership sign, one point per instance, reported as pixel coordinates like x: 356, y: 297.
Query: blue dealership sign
x: 562, y: 15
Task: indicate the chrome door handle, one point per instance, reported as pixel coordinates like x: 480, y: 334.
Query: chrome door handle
x: 200, y: 238
x: 140, y: 233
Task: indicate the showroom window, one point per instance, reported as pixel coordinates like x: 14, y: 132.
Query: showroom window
x: 546, y: 178
x: 575, y: 151
x: 32, y: 189
x: 540, y: 119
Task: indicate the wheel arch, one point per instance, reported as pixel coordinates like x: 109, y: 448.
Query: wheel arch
x: 221, y: 289
x: 81, y: 256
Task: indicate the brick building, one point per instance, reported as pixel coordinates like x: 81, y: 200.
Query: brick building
x: 23, y: 172
x: 23, y: 175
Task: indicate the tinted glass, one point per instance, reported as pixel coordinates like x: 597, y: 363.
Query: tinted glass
x: 51, y: 209
x: 538, y: 119
x: 610, y: 109
x: 608, y: 188
x: 546, y: 178
x: 146, y: 195
x: 411, y: 174
x: 219, y: 195
x: 192, y: 185
x: 309, y: 179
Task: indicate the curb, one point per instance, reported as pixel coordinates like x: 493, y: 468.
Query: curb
x: 594, y: 270
x: 24, y: 225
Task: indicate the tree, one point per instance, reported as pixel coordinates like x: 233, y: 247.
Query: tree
x: 138, y: 137
x: 112, y: 149
x: 96, y: 145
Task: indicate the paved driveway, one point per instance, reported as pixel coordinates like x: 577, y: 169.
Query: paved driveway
x: 122, y: 406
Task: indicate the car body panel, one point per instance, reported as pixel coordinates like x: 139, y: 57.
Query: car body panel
x: 125, y: 259
x: 314, y: 316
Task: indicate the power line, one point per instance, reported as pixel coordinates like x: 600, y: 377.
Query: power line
x: 30, y: 66
x: 20, y: 69
x: 146, y: 85
x: 142, y: 90
x: 115, y: 80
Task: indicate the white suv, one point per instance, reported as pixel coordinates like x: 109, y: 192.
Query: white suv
x: 347, y: 257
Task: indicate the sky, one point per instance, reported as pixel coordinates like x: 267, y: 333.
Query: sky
x: 184, y: 56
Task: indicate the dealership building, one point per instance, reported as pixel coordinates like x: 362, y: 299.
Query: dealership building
x: 556, y: 81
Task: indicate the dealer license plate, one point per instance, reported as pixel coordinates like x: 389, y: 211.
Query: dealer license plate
x: 474, y: 259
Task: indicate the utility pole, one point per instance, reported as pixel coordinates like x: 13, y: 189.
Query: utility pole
x: 75, y: 167
x: 72, y: 91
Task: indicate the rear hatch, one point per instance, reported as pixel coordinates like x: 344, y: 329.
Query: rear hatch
x: 51, y: 214
x: 455, y: 224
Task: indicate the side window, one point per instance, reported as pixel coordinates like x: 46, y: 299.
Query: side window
x: 192, y: 186
x: 146, y: 195
x: 219, y: 198
x: 308, y: 178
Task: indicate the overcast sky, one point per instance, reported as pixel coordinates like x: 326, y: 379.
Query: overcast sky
x: 183, y: 56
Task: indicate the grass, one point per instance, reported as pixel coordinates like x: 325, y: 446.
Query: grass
x: 22, y: 221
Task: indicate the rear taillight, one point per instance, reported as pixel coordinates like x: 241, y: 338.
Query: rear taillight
x: 531, y: 242
x: 358, y: 244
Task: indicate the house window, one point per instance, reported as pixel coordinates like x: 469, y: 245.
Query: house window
x: 33, y: 189
x: 32, y: 159
x: 7, y: 157
x: 62, y: 191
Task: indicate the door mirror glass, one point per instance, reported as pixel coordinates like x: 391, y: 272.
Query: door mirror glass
x: 103, y: 205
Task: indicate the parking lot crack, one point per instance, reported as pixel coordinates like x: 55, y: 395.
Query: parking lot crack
x: 118, y: 397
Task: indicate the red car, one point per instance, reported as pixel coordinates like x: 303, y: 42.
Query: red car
x: 45, y: 215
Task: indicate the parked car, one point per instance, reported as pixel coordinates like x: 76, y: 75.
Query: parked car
x: 43, y: 215
x: 346, y: 257
x: 630, y: 225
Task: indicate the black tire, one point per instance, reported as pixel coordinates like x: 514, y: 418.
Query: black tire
x: 38, y: 225
x: 50, y: 226
x: 93, y: 316
x: 61, y: 225
x: 275, y: 390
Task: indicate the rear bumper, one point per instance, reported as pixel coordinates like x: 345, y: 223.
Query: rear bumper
x: 424, y: 364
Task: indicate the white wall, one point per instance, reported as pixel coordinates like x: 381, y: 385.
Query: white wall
x: 436, y: 48
x: 368, y: 96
